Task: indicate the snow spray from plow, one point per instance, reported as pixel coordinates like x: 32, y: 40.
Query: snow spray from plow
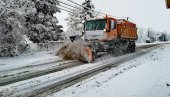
x: 77, y: 50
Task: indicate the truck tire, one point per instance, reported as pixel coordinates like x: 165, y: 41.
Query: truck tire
x: 118, y: 49
x: 132, y: 47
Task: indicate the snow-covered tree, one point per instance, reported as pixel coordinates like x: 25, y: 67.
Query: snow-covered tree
x: 142, y: 37
x: 75, y: 22
x: 10, y: 33
x: 77, y: 16
x: 88, y: 9
x: 42, y: 25
x: 12, y: 21
x: 22, y: 7
x: 168, y: 37
x: 152, y: 35
x: 32, y: 17
x: 163, y: 37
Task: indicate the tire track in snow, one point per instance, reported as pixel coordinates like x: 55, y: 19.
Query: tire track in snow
x: 19, y: 74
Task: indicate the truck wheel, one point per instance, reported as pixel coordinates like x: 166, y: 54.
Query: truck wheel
x: 118, y: 49
x: 110, y: 51
x: 132, y: 47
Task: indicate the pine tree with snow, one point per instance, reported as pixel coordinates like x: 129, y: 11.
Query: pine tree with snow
x: 42, y: 24
x: 88, y: 9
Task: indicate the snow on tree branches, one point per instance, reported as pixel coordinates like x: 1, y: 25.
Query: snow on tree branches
x: 75, y: 19
x: 31, y: 17
x: 11, y: 30
x: 74, y: 22
x: 42, y: 25
x: 12, y: 21
x: 88, y: 9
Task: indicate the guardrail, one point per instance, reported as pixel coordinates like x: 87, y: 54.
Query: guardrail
x: 54, y: 45
x: 50, y: 46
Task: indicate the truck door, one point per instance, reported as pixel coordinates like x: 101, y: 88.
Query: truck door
x: 113, y: 31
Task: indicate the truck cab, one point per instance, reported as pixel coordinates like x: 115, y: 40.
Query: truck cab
x: 101, y: 29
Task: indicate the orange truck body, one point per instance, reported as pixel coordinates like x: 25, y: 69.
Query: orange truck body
x: 123, y: 29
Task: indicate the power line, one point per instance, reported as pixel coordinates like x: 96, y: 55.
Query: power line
x: 78, y: 5
x: 66, y: 7
x: 99, y: 13
x: 94, y: 10
x: 66, y: 4
x: 85, y: 7
x: 66, y: 10
x: 74, y: 3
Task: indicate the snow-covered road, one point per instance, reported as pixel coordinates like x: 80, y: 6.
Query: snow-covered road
x: 146, y: 76
x: 43, y: 83
x: 33, y: 65
x: 36, y: 58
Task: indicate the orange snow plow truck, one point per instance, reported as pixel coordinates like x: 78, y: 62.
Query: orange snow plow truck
x: 115, y: 36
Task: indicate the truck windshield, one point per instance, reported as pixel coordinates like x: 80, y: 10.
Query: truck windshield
x: 95, y: 25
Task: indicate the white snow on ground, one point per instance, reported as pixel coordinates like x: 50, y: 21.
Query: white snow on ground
x: 86, y: 86
x: 46, y: 80
x: 146, y: 76
x: 8, y: 63
x: 26, y: 60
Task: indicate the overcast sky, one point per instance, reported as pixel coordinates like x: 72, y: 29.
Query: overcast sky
x: 145, y: 13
